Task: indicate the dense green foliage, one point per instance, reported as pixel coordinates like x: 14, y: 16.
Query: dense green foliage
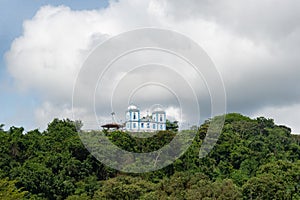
x: 253, y: 159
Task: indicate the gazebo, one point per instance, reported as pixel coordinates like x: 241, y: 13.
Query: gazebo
x: 112, y: 125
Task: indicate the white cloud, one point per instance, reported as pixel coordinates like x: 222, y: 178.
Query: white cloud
x: 287, y: 115
x: 254, y: 44
x: 45, y: 113
x: 173, y: 113
x: 50, y: 52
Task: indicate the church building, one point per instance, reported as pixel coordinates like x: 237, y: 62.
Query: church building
x: 136, y: 123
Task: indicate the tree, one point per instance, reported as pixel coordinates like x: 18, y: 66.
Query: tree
x: 1, y: 127
x: 286, y: 173
x: 266, y: 186
x: 124, y: 187
x: 8, y: 190
x: 253, y: 158
x: 172, y: 126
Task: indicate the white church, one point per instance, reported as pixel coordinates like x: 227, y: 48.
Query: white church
x: 150, y: 123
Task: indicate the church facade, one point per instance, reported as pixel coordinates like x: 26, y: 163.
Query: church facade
x: 150, y: 123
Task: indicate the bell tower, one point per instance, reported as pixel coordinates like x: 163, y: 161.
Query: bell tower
x: 133, y: 118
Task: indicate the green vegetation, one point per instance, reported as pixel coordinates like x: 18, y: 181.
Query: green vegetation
x: 253, y: 159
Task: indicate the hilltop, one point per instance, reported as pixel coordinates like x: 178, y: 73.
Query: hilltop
x: 253, y: 159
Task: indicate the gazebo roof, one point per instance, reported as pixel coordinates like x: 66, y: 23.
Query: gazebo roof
x: 112, y: 125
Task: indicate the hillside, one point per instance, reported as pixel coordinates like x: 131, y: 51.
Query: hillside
x: 253, y: 159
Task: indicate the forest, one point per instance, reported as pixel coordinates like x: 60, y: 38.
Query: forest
x: 253, y: 159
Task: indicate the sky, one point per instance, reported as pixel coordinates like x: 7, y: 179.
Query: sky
x: 254, y: 44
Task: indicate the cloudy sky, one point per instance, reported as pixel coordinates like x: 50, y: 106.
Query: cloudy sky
x: 254, y: 45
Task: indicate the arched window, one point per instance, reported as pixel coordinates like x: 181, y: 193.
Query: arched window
x: 134, y: 116
x: 161, y: 118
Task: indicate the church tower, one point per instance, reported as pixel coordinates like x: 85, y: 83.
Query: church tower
x: 159, y: 118
x: 133, y: 118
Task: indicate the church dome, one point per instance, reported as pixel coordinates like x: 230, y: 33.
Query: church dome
x: 132, y: 107
x: 157, y: 109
